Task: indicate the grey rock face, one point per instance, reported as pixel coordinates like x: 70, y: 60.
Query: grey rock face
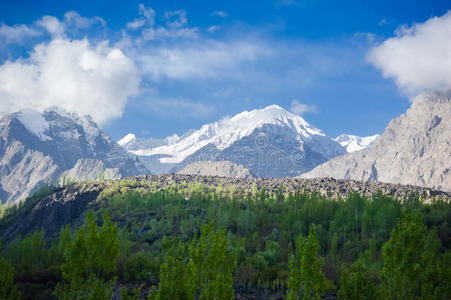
x: 414, y: 149
x: 37, y: 148
x: 87, y: 169
x: 216, y: 168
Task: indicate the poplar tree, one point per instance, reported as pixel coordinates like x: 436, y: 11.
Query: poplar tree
x: 306, y: 280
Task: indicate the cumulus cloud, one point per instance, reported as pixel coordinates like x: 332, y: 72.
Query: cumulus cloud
x: 300, y: 108
x: 418, y: 57
x: 73, y: 74
x: 17, y: 33
x: 52, y: 25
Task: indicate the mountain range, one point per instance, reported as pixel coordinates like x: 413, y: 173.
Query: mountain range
x: 45, y: 147
x: 269, y: 142
x: 38, y: 148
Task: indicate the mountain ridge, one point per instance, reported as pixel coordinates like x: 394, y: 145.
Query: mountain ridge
x: 268, y: 137
x: 36, y: 148
x: 414, y: 149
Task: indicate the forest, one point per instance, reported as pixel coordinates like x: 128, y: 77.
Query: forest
x: 194, y: 241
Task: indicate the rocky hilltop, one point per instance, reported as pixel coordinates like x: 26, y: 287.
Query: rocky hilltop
x: 67, y: 205
x: 216, y: 168
x: 414, y: 149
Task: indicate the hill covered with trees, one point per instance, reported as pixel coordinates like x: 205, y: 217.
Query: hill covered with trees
x: 140, y: 240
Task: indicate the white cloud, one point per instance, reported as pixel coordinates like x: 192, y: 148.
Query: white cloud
x: 73, y: 19
x: 301, y: 108
x: 218, y: 13
x: 17, y: 33
x: 208, y: 59
x: 135, y: 24
x: 52, y: 25
x: 152, y: 34
x: 148, y: 18
x: 75, y: 75
x: 176, y: 18
x: 418, y: 58
x: 213, y: 28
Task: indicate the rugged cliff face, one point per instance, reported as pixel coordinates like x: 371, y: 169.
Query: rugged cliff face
x: 414, y: 149
x: 36, y: 148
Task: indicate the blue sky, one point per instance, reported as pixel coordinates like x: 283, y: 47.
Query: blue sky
x: 182, y: 64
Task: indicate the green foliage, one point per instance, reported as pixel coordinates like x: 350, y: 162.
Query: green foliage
x: 208, y: 273
x: 8, y: 290
x: 413, y: 267
x: 306, y: 280
x: 211, y: 265
x: 161, y: 236
x: 90, y: 257
x: 356, y: 283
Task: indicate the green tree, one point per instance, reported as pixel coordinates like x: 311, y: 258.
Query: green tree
x: 90, y: 257
x: 8, y: 290
x: 306, y: 280
x: 403, y: 260
x: 211, y: 265
x: 174, y: 282
x: 356, y: 283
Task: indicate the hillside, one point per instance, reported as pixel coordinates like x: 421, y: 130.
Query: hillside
x: 162, y: 216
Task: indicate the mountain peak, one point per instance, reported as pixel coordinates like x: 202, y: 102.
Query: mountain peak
x: 126, y: 139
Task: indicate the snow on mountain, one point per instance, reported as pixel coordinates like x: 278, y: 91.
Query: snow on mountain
x: 126, y: 139
x: 36, y: 148
x: 355, y: 143
x: 35, y: 123
x: 271, y: 136
x: 224, y: 133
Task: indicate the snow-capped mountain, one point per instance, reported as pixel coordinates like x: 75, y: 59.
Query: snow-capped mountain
x: 36, y: 148
x: 270, y: 142
x: 130, y: 142
x: 355, y: 143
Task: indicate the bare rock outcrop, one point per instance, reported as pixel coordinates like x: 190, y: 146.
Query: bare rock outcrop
x: 216, y: 168
x: 414, y: 149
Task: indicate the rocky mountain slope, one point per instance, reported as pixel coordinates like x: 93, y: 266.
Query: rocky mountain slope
x: 216, y: 168
x: 354, y: 143
x: 270, y: 142
x: 67, y: 205
x: 36, y: 148
x: 414, y: 149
